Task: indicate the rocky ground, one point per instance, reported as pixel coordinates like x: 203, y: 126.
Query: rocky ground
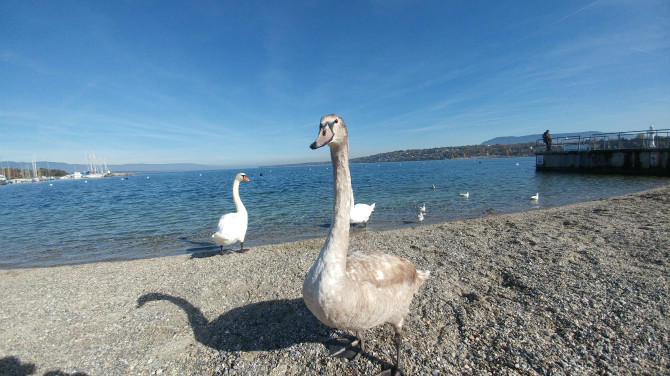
x: 579, y: 289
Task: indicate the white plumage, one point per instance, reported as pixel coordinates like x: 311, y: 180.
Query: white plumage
x: 360, y: 213
x: 232, y: 227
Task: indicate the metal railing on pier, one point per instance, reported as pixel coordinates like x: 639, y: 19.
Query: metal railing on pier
x: 648, y: 139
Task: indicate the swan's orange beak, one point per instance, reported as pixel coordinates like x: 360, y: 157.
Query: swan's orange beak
x: 245, y: 178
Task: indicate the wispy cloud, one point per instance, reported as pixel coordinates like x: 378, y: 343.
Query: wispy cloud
x: 21, y: 61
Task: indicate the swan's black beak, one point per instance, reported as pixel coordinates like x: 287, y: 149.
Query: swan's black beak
x: 326, y: 135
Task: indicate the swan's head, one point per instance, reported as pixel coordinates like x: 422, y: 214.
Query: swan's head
x: 241, y: 176
x: 332, y: 131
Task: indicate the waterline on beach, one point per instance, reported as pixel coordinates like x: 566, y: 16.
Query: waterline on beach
x: 175, y: 213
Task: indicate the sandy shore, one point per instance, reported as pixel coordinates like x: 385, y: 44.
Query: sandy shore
x: 579, y: 289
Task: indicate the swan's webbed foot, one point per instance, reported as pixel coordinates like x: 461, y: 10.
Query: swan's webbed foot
x: 242, y: 250
x: 349, y: 348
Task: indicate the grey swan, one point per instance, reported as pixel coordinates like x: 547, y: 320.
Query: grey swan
x: 361, y: 290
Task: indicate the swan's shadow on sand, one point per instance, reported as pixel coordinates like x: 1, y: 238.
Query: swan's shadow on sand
x: 262, y: 326
x: 265, y: 326
x: 12, y: 366
x: 217, y: 252
x: 208, y: 249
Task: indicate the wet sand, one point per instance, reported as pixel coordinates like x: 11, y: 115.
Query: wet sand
x: 578, y: 289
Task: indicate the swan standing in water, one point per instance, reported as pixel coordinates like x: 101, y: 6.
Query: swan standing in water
x: 233, y: 226
x: 360, y: 213
x: 364, y: 289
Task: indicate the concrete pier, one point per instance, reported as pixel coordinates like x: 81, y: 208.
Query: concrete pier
x: 645, y: 152
x: 631, y: 161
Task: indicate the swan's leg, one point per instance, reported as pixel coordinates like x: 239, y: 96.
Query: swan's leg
x: 241, y: 245
x: 399, y: 368
x: 399, y: 364
x: 361, y: 338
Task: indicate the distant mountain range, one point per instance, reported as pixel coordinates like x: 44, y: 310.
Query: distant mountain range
x: 136, y: 167
x: 512, y: 140
x: 496, y: 147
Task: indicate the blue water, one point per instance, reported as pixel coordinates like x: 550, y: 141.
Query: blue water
x: 153, y: 215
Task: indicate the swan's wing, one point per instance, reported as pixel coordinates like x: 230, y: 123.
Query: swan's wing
x: 365, y: 208
x: 381, y: 269
x: 361, y: 212
x: 232, y: 225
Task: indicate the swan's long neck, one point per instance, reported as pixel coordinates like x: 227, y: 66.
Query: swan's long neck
x: 236, y: 197
x: 334, y: 252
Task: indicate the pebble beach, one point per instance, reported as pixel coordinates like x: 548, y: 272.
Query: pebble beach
x: 582, y: 289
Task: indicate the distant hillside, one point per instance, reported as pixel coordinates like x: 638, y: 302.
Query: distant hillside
x: 499, y: 147
x: 454, y: 152
x: 511, y: 140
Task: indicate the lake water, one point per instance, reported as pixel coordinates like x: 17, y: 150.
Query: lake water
x: 160, y: 214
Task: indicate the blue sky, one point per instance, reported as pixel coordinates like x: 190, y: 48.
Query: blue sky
x: 244, y: 83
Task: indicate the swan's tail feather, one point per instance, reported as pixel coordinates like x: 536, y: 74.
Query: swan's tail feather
x: 422, y: 276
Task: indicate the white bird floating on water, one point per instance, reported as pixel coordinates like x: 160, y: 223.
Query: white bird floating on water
x: 466, y: 194
x: 361, y: 290
x: 536, y: 197
x: 232, y: 227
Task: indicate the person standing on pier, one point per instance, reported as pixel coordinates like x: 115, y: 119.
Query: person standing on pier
x: 546, y: 137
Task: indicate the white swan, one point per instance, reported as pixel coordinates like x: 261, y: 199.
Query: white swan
x: 466, y: 194
x: 420, y: 216
x: 360, y: 213
x: 536, y: 197
x: 233, y: 226
x: 364, y: 289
